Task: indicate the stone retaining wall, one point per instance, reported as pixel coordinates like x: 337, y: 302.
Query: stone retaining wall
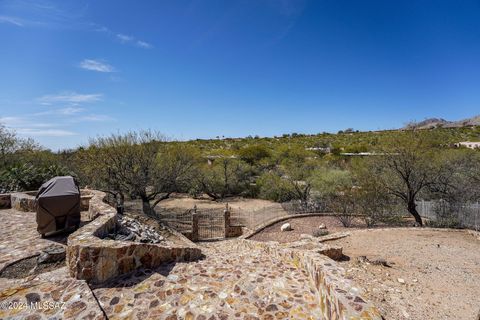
x: 23, y: 201
x: 91, y: 258
x: 337, y: 296
x: 96, y: 205
x: 85, y: 196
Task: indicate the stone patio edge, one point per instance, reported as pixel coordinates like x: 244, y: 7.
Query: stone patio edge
x: 338, y: 297
x: 91, y: 258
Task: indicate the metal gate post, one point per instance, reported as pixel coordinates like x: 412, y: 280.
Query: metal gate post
x: 195, y: 236
x: 226, y: 218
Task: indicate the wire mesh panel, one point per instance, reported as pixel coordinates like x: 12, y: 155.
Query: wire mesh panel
x: 466, y: 215
x: 301, y: 207
x: 211, y: 224
x: 179, y: 221
x: 238, y: 218
x: 255, y: 217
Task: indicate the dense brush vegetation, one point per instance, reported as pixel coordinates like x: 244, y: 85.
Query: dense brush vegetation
x: 318, y: 170
x: 343, y: 141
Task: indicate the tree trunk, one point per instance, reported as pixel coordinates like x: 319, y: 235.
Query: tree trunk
x: 146, y: 207
x: 412, y: 208
x: 120, y: 200
x: 212, y: 195
x: 165, y: 196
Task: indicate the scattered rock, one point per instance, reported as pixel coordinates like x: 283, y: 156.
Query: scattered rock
x: 376, y: 262
x: 305, y: 236
x: 362, y: 259
x: 320, y: 232
x: 400, y: 280
x: 333, y: 252
x: 133, y: 230
x: 51, y: 254
x: 334, y: 236
x: 223, y: 295
x: 286, y: 227
x: 380, y: 262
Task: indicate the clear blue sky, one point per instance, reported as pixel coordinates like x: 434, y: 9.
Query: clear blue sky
x: 200, y: 68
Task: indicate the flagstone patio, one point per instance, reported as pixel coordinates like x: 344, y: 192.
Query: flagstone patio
x: 235, y: 279
x: 228, y: 284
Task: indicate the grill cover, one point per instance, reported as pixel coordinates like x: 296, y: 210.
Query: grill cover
x: 58, y: 205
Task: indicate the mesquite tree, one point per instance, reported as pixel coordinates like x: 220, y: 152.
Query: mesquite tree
x: 406, y: 168
x: 140, y: 164
x: 225, y: 177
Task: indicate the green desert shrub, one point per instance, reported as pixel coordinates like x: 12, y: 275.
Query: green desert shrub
x: 272, y: 187
x: 253, y: 154
x: 27, y: 177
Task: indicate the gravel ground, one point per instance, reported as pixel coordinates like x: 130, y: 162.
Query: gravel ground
x: 182, y: 202
x: 305, y: 225
x: 28, y: 267
x: 432, y: 274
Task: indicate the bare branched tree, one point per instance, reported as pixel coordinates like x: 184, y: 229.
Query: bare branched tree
x: 140, y: 164
x: 406, y: 169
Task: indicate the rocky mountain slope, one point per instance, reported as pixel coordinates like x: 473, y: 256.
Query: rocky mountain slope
x: 439, y: 122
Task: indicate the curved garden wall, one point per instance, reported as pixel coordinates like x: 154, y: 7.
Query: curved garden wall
x: 337, y: 296
x: 23, y: 201
x: 92, y: 258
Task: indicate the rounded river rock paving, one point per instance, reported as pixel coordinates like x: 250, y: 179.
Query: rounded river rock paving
x: 227, y: 284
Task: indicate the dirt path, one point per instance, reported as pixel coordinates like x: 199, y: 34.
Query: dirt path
x: 235, y: 202
x: 440, y: 271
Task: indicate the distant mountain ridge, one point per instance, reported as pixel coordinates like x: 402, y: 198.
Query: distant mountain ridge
x: 431, y: 123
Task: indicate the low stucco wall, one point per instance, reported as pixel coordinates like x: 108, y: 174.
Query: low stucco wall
x: 337, y: 296
x: 91, y: 258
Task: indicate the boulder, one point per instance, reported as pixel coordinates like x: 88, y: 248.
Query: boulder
x: 286, y: 227
x: 322, y: 226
